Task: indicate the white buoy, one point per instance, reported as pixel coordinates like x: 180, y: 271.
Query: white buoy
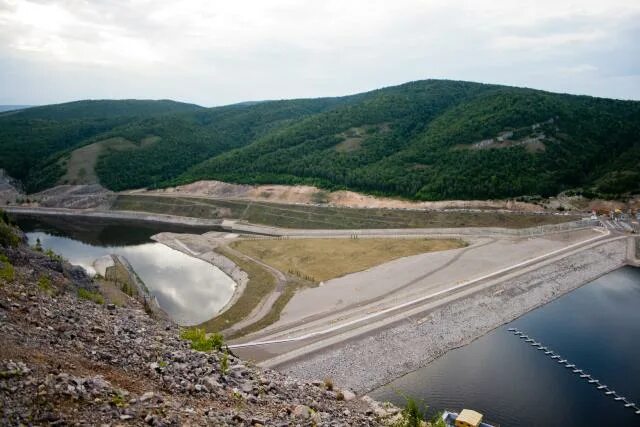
x: 607, y: 391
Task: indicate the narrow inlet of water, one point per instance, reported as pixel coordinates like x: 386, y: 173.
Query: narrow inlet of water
x: 190, y: 290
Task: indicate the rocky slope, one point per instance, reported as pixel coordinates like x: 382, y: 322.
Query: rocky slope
x: 10, y: 190
x: 71, y: 360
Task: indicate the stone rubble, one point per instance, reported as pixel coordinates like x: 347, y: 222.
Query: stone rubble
x: 70, y: 361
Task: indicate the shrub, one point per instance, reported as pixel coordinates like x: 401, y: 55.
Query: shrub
x: 4, y: 217
x: 200, y: 341
x: 224, y: 363
x: 91, y: 296
x: 7, y: 235
x: 7, y: 273
x: 328, y: 384
x: 437, y: 421
x: 52, y: 255
x: 44, y: 283
x: 411, y: 415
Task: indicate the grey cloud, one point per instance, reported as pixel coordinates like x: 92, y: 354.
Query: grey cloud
x: 218, y: 52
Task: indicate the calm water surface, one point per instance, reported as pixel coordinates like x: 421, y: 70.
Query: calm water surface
x: 597, y: 327
x: 188, y: 289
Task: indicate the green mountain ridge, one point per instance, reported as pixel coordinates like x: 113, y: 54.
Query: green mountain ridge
x: 428, y: 140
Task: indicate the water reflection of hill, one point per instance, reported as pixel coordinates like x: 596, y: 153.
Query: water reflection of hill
x: 103, y: 232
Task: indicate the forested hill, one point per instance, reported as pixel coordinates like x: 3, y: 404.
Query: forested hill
x: 432, y: 139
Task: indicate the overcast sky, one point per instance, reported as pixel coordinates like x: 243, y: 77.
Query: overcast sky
x: 215, y: 52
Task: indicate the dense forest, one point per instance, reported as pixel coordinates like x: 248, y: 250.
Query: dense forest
x: 425, y: 140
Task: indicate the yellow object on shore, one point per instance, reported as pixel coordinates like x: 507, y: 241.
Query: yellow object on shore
x: 468, y: 418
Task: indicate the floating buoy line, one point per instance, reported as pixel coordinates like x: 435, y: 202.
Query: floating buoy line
x: 579, y: 372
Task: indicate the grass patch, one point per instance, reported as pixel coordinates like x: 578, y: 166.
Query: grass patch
x: 91, y: 296
x: 261, y: 283
x: 321, y: 217
x: 44, y: 283
x: 80, y: 164
x: 200, y: 341
x: 7, y: 272
x: 274, y: 314
x: 319, y: 260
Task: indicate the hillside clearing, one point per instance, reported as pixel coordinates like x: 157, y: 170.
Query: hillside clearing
x: 319, y: 260
x: 80, y: 165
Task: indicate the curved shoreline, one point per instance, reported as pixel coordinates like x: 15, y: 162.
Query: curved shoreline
x: 224, y: 264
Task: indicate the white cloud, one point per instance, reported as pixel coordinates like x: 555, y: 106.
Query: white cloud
x: 578, y: 69
x: 215, y: 52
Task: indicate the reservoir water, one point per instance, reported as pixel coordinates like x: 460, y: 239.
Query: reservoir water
x: 190, y: 290
x: 596, y: 327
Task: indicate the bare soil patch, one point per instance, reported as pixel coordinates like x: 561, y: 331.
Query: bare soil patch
x: 305, y: 194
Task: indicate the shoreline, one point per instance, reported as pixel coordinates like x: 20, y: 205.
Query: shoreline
x: 116, y: 215
x: 361, y: 363
x: 243, y: 227
x: 224, y: 264
x: 469, y: 341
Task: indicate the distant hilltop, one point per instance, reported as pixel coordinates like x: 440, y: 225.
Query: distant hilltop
x: 4, y: 108
x: 423, y: 140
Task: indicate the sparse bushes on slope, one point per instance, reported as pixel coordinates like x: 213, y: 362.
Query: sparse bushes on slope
x: 7, y: 272
x: 44, y: 283
x: 8, y: 236
x: 412, y: 415
x: 200, y: 341
x: 90, y: 295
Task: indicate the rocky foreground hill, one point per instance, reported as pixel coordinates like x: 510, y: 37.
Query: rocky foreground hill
x: 68, y: 358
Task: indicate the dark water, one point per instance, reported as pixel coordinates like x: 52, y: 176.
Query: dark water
x: 188, y: 289
x: 596, y: 327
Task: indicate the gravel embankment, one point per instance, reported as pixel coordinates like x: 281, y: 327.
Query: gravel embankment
x: 368, y: 362
x: 70, y: 361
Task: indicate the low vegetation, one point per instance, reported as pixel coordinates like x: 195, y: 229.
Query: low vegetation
x: 273, y: 315
x: 8, y: 236
x: 261, y: 283
x: 90, y: 295
x: 44, y: 283
x: 202, y: 341
x: 414, y: 414
x: 318, y: 260
x: 7, y: 272
x: 316, y: 217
